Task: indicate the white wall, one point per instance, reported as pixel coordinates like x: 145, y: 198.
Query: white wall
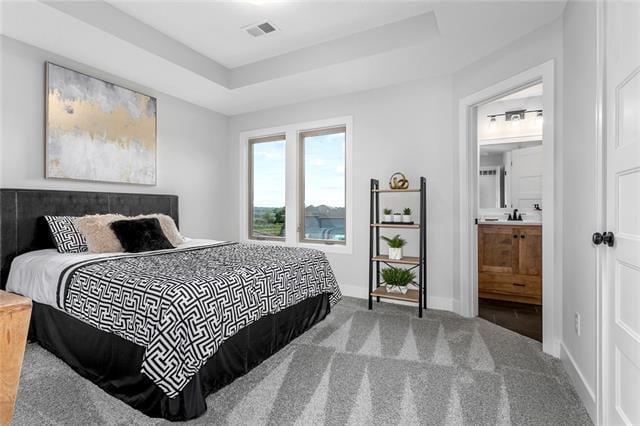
x: 527, y: 52
x: 192, y: 144
x: 400, y: 128
x: 579, y: 162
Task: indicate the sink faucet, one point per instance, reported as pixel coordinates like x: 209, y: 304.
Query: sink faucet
x: 515, y: 215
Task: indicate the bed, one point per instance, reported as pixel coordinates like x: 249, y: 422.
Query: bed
x: 159, y: 330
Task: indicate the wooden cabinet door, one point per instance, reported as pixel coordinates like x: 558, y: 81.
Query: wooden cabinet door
x: 529, y: 253
x: 497, y: 249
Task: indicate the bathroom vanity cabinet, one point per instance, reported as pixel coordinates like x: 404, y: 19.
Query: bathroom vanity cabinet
x: 510, y: 262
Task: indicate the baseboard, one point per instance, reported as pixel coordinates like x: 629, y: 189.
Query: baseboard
x: 584, y: 391
x: 441, y: 303
x: 456, y: 306
x: 433, y: 302
x: 358, y: 292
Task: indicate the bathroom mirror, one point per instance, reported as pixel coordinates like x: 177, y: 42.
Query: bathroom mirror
x: 510, y: 160
x: 510, y: 175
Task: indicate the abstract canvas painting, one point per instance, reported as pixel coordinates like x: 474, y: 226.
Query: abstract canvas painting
x: 97, y: 130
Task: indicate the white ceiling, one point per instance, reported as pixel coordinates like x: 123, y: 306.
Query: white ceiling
x: 197, y: 51
x: 214, y: 29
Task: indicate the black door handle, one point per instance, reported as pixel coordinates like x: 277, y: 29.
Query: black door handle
x: 606, y: 237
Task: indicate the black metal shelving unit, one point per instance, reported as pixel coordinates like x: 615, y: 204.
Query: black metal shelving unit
x: 376, y: 288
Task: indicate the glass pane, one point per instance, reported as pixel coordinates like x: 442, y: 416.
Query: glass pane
x: 324, y: 186
x: 268, y: 193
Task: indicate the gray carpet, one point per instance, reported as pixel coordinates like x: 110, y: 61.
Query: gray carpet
x: 384, y: 366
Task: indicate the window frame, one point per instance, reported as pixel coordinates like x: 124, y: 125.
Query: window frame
x: 292, y: 190
x: 300, y: 137
x: 251, y: 142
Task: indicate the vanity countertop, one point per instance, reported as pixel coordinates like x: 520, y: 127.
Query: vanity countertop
x: 509, y: 222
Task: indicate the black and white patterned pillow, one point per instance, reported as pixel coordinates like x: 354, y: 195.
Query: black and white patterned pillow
x: 67, y: 238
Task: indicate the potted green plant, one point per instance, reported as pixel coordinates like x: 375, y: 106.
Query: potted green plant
x: 397, y: 217
x: 395, y: 246
x: 387, y: 215
x: 406, y: 215
x: 397, y: 279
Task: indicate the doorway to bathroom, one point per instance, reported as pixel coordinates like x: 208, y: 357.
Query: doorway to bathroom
x: 509, y: 210
x: 529, y: 248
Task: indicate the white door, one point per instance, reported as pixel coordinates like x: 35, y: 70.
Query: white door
x: 526, y: 177
x: 622, y: 285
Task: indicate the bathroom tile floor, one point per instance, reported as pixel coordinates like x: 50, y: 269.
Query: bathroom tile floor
x: 519, y: 317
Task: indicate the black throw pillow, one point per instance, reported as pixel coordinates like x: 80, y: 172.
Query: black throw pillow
x: 140, y: 235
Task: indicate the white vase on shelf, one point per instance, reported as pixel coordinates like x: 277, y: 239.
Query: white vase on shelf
x: 387, y: 218
x: 395, y: 253
x: 406, y: 218
x: 400, y: 289
x: 397, y: 217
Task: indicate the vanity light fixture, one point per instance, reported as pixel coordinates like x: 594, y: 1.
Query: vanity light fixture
x: 515, y: 117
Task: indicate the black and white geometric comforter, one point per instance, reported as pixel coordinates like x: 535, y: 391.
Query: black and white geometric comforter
x: 181, y: 304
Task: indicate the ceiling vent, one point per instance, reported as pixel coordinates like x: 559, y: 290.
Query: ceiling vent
x: 260, y: 29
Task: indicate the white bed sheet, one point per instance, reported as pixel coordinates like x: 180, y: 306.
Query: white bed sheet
x: 35, y: 274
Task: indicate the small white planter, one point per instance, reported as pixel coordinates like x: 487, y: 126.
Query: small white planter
x: 397, y: 217
x: 406, y: 218
x: 395, y: 253
x: 401, y: 289
x: 387, y: 218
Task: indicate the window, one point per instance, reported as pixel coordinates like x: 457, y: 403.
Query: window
x: 298, y: 183
x: 267, y: 181
x: 323, y: 185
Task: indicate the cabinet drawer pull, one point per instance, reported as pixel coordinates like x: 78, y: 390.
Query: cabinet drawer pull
x: 522, y: 236
x: 515, y: 236
x: 519, y: 285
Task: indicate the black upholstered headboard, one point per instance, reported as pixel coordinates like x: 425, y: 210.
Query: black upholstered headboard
x: 23, y: 229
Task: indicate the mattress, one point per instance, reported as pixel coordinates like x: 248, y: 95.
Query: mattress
x: 36, y: 274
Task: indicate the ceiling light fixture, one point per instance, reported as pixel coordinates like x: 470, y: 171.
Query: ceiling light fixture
x: 259, y: 2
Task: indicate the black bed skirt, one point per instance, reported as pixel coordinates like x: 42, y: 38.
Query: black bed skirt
x: 113, y: 363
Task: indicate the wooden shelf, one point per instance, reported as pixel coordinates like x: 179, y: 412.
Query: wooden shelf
x: 406, y: 260
x: 416, y: 293
x: 396, y: 225
x: 395, y: 190
x: 409, y: 296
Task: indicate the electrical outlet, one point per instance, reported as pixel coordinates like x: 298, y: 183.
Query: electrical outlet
x: 576, y: 323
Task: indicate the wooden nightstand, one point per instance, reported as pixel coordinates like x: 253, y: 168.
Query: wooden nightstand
x: 15, y: 313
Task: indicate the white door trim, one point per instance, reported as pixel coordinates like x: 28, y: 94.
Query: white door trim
x: 551, y: 284
x: 601, y: 217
